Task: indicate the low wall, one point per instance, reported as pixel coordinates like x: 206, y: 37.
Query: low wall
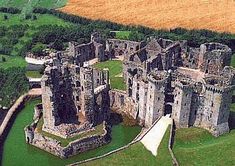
x: 78, y: 146
x: 171, y: 143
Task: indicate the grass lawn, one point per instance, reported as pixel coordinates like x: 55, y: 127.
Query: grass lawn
x: 233, y: 61
x: 33, y: 74
x: 115, y: 69
x: 33, y: 3
x: 122, y: 35
x: 194, y: 146
x: 12, y: 61
x: 137, y: 154
x: 42, y: 19
x: 64, y: 142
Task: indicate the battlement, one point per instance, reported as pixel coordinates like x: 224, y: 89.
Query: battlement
x: 184, y: 85
x: 215, y: 47
x: 158, y: 78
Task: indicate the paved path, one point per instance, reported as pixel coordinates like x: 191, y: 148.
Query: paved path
x: 35, y: 61
x: 154, y: 137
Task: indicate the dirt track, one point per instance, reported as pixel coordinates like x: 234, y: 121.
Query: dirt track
x: 218, y: 15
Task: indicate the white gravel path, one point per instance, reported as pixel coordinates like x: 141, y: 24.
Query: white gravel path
x: 153, y: 138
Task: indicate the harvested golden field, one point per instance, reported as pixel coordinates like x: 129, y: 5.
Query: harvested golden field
x: 217, y: 15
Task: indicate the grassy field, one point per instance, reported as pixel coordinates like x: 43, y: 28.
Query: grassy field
x: 33, y: 74
x: 12, y: 61
x: 194, y: 146
x: 42, y: 19
x: 122, y: 35
x: 137, y: 154
x: 115, y: 69
x: 160, y: 14
x: 33, y: 3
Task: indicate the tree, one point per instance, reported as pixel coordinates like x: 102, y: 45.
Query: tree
x: 38, y: 49
x: 4, y: 59
x: 5, y: 17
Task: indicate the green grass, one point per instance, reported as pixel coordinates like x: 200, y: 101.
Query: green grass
x: 233, y: 61
x: 64, y: 142
x: 115, y: 69
x: 12, y: 61
x: 16, y: 152
x: 33, y: 3
x: 194, y: 146
x: 33, y: 74
x: 122, y: 35
x: 42, y: 19
x: 232, y: 107
x: 137, y: 154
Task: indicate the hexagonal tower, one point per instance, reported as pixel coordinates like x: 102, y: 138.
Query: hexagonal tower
x: 87, y: 94
x: 182, y: 103
x: 217, y: 100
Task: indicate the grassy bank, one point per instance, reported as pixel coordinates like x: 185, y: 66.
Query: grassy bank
x: 194, y: 146
x: 137, y: 154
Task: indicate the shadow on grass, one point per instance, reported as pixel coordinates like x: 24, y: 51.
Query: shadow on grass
x: 231, y: 120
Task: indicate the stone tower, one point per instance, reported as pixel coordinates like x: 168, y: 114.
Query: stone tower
x: 155, y: 97
x: 182, y: 103
x: 87, y: 94
x: 216, y: 105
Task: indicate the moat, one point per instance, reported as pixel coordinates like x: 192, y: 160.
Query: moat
x: 17, y: 152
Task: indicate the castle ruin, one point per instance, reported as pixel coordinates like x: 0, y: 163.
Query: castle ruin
x: 194, y: 85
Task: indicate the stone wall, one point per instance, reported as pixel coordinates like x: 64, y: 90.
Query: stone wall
x: 78, y: 146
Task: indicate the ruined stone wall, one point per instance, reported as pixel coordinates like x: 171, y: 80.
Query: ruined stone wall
x: 191, y: 58
x: 117, y: 98
x: 143, y: 90
x: 214, y: 57
x: 100, y: 77
x: 118, y: 47
x: 85, y: 52
x: 87, y: 93
x: 50, y: 113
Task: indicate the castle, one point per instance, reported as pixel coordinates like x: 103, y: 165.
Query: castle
x: 194, y: 85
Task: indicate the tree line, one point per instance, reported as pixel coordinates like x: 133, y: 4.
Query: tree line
x: 13, y: 83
